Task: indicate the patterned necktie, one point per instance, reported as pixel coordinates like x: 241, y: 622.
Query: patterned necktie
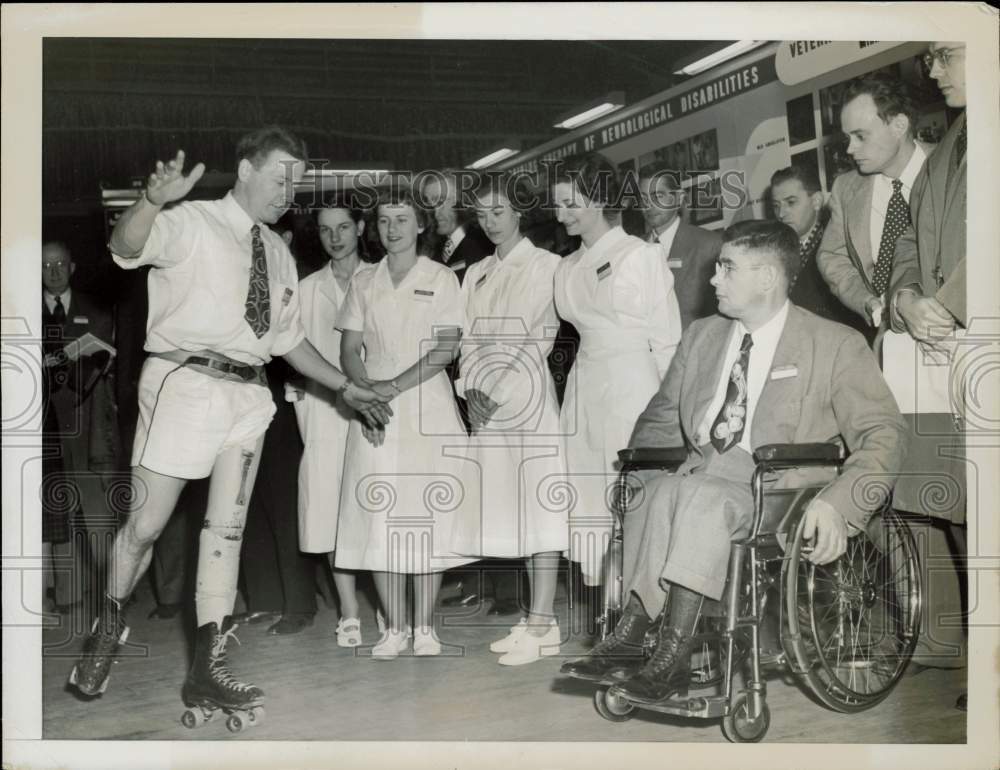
x: 449, y: 249
x: 897, y: 219
x: 59, y: 312
x: 727, y: 429
x: 258, y: 312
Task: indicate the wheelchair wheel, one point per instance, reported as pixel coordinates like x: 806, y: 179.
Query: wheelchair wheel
x: 853, y: 624
x: 612, y: 707
x: 738, y: 727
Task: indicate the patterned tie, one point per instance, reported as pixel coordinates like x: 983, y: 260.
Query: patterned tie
x: 258, y: 312
x: 807, y: 250
x: 449, y: 249
x: 727, y: 430
x: 897, y: 219
x: 59, y: 312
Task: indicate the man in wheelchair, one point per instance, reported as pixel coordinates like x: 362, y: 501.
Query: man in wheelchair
x: 764, y: 371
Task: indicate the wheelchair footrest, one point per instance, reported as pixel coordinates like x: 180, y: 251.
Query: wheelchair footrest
x: 703, y: 707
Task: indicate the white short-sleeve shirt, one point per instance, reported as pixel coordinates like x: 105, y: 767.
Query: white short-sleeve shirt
x: 200, y: 252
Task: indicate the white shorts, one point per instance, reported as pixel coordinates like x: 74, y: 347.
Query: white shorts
x: 187, y: 419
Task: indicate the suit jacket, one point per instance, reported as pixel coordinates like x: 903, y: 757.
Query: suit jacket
x: 811, y: 291
x: 474, y: 247
x: 81, y: 393
x: 937, y: 235
x: 845, y: 256
x: 835, y: 394
x: 692, y: 261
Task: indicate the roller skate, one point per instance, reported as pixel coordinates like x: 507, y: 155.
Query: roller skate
x: 91, y: 672
x: 620, y: 654
x: 210, y: 687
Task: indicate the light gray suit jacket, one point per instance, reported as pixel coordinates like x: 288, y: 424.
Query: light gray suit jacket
x: 836, y: 393
x: 937, y: 235
x: 845, y: 256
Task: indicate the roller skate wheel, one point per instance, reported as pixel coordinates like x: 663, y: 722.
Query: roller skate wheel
x: 193, y: 718
x: 256, y: 715
x: 236, y: 723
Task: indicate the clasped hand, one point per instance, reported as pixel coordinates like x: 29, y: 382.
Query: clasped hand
x: 481, y: 408
x: 926, y: 319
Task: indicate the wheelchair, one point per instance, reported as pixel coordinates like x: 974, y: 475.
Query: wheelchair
x: 847, y: 629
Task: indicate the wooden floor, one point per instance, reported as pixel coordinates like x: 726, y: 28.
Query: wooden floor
x: 318, y: 691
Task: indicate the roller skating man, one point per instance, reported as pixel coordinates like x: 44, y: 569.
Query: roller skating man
x: 223, y: 299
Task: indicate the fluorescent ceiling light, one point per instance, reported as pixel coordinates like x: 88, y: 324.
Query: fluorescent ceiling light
x: 723, y: 55
x: 494, y: 157
x: 602, y: 106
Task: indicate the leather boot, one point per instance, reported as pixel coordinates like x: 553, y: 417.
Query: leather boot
x: 666, y: 673
x: 209, y: 682
x: 91, y: 672
x: 618, y: 655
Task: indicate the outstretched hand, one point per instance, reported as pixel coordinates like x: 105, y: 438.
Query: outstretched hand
x: 168, y: 182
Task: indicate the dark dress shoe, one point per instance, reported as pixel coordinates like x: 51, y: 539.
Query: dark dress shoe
x: 504, y: 607
x: 667, y: 673
x: 290, y: 624
x: 164, y: 611
x: 962, y: 704
x: 257, y: 617
x: 462, y: 600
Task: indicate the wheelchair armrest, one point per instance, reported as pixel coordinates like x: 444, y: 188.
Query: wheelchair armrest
x: 652, y: 458
x: 798, y: 455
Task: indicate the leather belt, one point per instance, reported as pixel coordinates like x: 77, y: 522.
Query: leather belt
x: 227, y: 368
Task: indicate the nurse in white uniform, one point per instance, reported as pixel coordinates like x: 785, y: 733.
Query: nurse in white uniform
x: 322, y: 416
x: 404, y: 489
x: 511, y: 326
x: 614, y: 291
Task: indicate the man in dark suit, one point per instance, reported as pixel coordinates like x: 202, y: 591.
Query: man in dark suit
x: 81, y: 398
x: 462, y: 242
x: 762, y: 372
x: 928, y: 302
x: 690, y: 252
x: 868, y: 207
x: 797, y: 200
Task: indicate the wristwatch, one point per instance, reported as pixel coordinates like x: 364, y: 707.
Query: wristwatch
x: 395, y: 387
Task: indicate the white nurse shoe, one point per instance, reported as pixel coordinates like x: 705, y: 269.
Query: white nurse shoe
x: 529, y: 648
x: 507, y: 643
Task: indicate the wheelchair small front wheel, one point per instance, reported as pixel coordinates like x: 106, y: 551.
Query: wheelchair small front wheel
x: 740, y: 728
x: 614, y: 708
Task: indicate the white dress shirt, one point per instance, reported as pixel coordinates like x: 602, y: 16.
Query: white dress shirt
x: 666, y: 238
x: 765, y: 342
x: 200, y: 252
x: 882, y: 191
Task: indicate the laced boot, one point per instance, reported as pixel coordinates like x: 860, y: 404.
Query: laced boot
x: 91, y: 672
x: 619, y: 654
x: 666, y: 673
x: 209, y: 682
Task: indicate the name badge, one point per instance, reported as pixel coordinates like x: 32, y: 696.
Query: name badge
x: 479, y: 282
x: 603, y: 271
x: 675, y: 264
x: 784, y: 372
x: 286, y: 297
x: 424, y: 295
x: 81, y: 319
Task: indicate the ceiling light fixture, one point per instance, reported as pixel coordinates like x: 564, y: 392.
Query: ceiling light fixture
x: 592, y: 110
x: 718, y: 57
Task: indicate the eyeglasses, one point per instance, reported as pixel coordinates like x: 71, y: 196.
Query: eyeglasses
x: 728, y: 268
x: 62, y: 263
x: 943, y: 55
